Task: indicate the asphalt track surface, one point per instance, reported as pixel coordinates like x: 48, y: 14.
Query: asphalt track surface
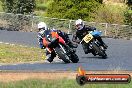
x: 119, y: 55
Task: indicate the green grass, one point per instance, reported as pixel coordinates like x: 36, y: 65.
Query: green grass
x: 62, y: 83
x: 16, y: 53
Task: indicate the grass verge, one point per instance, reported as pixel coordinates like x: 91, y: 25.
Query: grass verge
x: 62, y: 83
x: 15, y: 54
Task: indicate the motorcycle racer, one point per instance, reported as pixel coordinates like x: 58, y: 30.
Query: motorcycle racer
x: 81, y: 31
x: 44, y: 31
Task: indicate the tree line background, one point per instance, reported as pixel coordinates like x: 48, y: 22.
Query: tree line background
x: 89, y: 10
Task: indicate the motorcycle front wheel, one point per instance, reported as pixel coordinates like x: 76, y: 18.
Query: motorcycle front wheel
x: 61, y: 55
x: 74, y: 58
x: 99, y: 50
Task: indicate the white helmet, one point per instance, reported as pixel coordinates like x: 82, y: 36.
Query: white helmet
x: 42, y: 25
x: 79, y: 24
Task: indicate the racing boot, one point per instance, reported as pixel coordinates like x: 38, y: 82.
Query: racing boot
x: 51, y: 56
x: 86, y: 48
x: 49, y: 59
x: 86, y: 51
x: 48, y: 56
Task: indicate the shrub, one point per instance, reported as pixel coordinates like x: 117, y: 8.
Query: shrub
x: 110, y: 14
x: 72, y: 9
x: 128, y: 17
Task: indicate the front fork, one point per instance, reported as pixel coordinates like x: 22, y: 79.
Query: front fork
x: 66, y: 49
x: 62, y: 48
x: 99, y: 45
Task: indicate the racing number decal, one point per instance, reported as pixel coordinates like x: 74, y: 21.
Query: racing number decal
x: 87, y: 38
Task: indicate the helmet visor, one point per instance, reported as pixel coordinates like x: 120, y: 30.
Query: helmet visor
x: 79, y: 26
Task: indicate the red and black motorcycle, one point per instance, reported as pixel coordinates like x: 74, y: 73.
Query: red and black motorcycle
x: 55, y: 43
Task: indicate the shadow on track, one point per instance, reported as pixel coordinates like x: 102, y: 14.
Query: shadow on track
x: 93, y: 57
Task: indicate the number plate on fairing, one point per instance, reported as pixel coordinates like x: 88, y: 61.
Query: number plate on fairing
x: 87, y: 38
